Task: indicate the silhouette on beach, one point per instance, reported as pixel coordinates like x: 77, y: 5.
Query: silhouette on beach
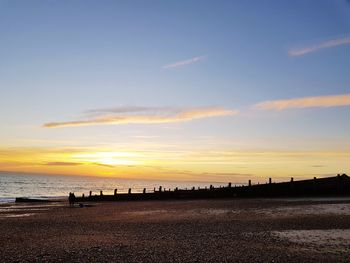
x: 71, y: 199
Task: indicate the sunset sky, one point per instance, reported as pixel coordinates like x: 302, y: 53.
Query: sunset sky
x: 176, y: 90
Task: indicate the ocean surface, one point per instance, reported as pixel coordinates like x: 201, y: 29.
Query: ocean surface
x: 14, y: 185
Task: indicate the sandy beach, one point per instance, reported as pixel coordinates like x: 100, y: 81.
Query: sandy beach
x: 240, y: 230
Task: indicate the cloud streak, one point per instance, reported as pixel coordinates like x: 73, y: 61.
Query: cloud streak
x: 143, y: 115
x: 306, y: 102
x: 319, y: 46
x: 62, y: 164
x: 183, y: 63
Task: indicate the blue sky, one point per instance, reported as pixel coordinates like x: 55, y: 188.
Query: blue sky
x: 60, y: 59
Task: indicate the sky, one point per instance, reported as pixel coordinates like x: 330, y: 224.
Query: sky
x: 176, y: 90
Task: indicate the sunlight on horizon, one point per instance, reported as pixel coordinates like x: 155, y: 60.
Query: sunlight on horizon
x: 205, y: 165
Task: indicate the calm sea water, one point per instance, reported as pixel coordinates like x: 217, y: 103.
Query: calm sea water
x: 14, y: 185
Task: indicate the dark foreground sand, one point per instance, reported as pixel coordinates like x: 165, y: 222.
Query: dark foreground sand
x: 178, y: 231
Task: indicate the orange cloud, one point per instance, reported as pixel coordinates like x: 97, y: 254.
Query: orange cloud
x: 184, y: 62
x: 144, y: 115
x: 306, y: 102
x: 316, y: 47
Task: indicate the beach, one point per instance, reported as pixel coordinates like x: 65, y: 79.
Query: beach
x: 225, y: 230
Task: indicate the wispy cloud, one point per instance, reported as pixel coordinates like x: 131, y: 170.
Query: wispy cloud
x: 319, y: 46
x: 143, y: 115
x: 184, y: 62
x: 62, y: 163
x: 306, y: 102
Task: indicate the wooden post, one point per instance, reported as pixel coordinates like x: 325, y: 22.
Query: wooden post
x: 291, y: 185
x: 83, y: 196
x: 211, y: 187
x: 115, y: 191
x: 249, y: 183
x: 314, y: 185
x: 269, y: 188
x: 193, y: 188
x: 160, y: 188
x: 129, y: 192
x: 144, y: 190
x: 90, y: 194
x: 339, y: 184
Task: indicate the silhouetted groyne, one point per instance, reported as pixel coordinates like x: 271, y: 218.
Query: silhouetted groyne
x: 331, y: 186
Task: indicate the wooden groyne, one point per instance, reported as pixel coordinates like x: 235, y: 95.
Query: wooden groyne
x: 331, y: 186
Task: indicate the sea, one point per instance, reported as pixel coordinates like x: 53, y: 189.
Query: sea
x: 40, y: 186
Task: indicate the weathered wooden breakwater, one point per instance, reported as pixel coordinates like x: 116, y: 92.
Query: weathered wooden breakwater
x: 331, y: 186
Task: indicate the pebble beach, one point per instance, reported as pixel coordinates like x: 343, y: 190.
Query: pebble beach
x: 228, y: 230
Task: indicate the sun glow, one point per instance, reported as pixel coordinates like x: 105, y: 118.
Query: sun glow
x: 189, y: 164
x: 108, y: 158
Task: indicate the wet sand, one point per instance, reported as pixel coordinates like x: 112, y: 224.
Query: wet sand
x: 240, y: 230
